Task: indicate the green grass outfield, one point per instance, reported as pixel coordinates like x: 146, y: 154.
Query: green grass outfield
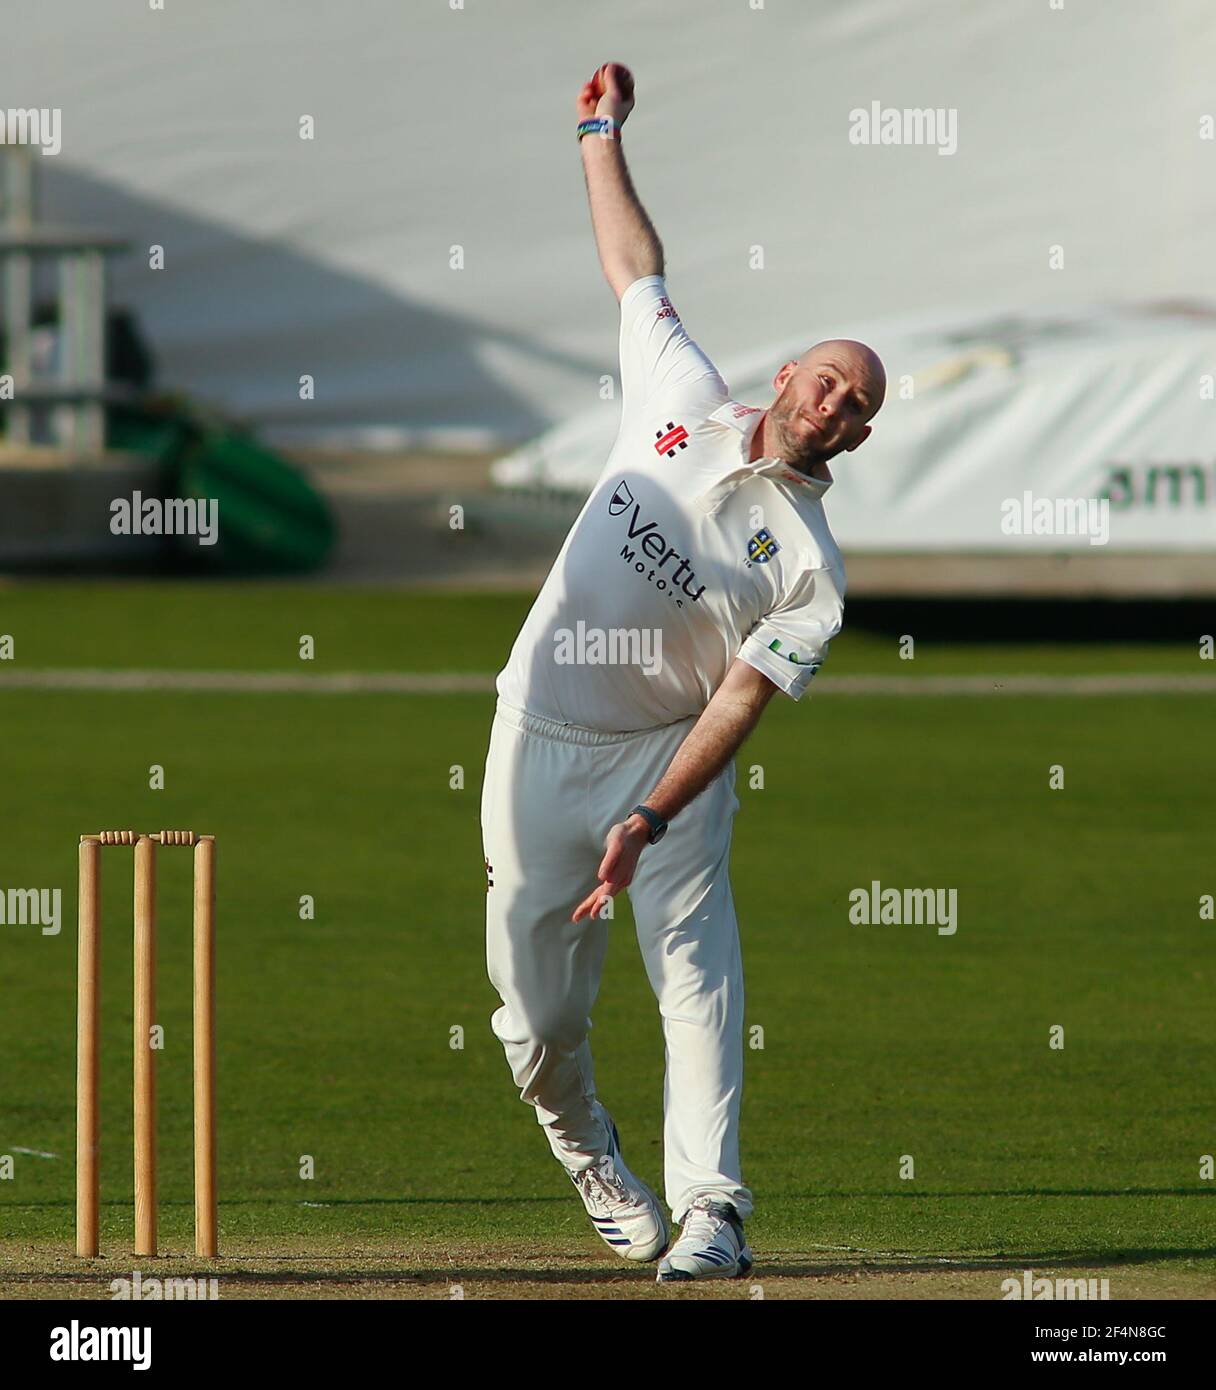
x: 1077, y: 908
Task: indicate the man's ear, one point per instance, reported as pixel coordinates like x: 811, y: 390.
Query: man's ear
x: 865, y: 434
x: 783, y: 375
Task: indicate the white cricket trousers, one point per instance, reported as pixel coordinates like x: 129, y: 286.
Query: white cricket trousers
x: 550, y: 795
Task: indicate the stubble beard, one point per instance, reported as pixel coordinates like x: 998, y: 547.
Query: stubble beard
x: 800, y: 453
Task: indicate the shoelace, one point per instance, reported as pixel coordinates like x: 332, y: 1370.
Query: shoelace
x: 611, y: 1189
x: 704, y: 1222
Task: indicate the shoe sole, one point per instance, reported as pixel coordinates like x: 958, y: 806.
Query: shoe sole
x: 743, y: 1267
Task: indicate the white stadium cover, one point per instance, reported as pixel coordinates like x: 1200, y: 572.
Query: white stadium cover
x: 444, y: 124
x: 997, y: 435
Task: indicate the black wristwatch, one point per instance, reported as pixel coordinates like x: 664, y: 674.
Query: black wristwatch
x: 658, y: 826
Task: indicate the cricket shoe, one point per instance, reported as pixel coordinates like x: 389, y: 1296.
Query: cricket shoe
x: 622, y: 1208
x: 711, y: 1245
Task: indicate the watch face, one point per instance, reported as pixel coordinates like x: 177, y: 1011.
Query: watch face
x: 657, y: 835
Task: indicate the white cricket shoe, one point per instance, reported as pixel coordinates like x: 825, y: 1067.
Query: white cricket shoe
x: 622, y: 1208
x: 711, y: 1245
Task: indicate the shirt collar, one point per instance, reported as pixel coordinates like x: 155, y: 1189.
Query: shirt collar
x: 745, y: 420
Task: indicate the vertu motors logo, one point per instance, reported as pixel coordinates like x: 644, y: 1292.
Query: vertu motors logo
x: 621, y: 500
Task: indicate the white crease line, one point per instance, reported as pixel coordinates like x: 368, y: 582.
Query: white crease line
x: 903, y: 1255
x: 251, y: 682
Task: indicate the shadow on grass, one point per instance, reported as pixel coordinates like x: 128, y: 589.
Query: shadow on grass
x: 68, y: 1202
x: 781, y: 1266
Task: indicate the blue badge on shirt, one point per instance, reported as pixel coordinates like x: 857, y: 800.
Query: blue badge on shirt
x: 762, y: 547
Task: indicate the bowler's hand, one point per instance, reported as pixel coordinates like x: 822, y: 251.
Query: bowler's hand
x: 609, y: 93
x: 624, y: 844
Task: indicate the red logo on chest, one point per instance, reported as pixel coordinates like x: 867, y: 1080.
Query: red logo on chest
x: 669, y: 440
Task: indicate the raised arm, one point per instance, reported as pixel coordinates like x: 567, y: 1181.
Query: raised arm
x: 628, y: 245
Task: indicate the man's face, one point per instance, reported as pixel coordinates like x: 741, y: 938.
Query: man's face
x: 825, y: 402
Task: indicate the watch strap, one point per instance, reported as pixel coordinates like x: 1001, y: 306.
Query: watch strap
x: 652, y: 818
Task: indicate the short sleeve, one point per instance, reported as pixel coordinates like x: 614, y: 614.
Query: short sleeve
x: 656, y: 352
x: 789, y: 644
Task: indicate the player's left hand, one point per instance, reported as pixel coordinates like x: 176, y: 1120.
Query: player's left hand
x: 623, y: 848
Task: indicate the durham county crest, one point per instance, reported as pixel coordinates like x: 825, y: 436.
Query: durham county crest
x: 762, y: 547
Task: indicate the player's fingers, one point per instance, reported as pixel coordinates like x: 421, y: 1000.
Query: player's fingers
x: 611, y: 873
x: 618, y: 77
x: 608, y: 888
x: 591, y: 904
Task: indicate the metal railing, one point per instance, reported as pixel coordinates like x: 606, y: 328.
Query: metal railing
x: 65, y: 406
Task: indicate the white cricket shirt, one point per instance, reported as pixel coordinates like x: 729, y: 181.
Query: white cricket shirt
x: 684, y: 557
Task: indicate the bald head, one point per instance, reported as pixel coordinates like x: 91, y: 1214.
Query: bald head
x: 825, y: 402
x: 846, y: 352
